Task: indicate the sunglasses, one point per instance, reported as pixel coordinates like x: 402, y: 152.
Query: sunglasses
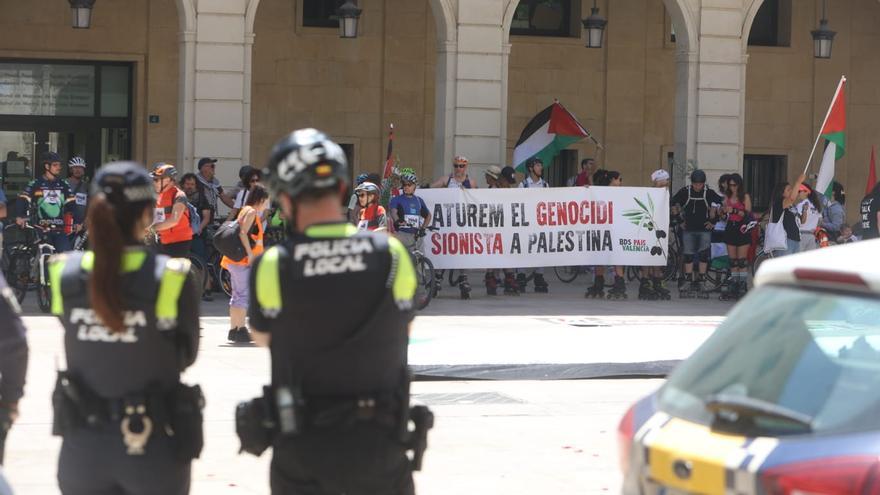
x: 732, y: 184
x: 460, y: 165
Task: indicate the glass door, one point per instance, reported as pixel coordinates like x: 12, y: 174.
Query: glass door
x: 18, y: 149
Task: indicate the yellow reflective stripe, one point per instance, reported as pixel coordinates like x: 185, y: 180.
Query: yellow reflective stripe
x: 403, y: 287
x: 268, y: 281
x: 331, y: 230
x: 88, y: 261
x: 56, y: 268
x: 170, y: 287
x: 131, y: 260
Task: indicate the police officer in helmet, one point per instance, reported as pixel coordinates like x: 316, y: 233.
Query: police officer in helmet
x: 339, y: 378
x: 131, y: 326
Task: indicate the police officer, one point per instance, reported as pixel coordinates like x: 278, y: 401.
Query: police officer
x: 339, y: 378
x: 13, y: 360
x: 131, y: 326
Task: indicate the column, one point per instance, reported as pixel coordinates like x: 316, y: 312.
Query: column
x: 444, y: 107
x: 480, y: 105
x: 221, y: 99
x: 720, y: 88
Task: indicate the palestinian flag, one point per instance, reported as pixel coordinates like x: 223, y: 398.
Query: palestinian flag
x: 834, y: 133
x: 550, y: 132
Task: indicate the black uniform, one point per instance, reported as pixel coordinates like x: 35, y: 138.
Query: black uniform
x: 111, y: 370
x: 337, y: 303
x: 13, y: 358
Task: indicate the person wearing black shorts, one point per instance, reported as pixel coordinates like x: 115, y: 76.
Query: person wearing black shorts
x: 737, y: 207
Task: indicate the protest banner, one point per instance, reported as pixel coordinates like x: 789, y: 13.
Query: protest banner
x: 521, y: 228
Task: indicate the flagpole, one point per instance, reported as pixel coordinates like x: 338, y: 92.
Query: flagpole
x: 827, y: 114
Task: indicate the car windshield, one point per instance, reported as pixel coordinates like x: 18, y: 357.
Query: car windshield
x: 813, y: 355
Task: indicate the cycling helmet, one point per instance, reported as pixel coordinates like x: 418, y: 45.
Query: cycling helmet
x: 162, y: 170
x: 367, y: 187
x: 76, y: 162
x: 698, y: 177
x: 124, y: 183
x: 49, y: 157
x: 659, y: 175
x: 306, y: 160
x: 460, y: 160
x: 409, y: 175
x: 361, y: 179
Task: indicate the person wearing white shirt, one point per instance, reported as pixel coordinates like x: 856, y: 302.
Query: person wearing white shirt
x: 808, y: 212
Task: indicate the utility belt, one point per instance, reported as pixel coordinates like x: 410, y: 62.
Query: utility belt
x: 175, y: 413
x: 283, y: 411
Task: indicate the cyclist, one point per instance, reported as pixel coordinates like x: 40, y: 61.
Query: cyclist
x: 408, y: 211
x: 372, y: 215
x: 47, y: 199
x: 354, y: 210
x: 344, y: 372
x: 196, y: 197
x: 534, y: 178
x: 695, y: 202
x: 13, y: 360
x: 131, y: 326
x: 79, y: 187
x: 171, y: 220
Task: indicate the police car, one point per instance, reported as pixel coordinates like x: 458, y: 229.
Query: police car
x: 784, y: 397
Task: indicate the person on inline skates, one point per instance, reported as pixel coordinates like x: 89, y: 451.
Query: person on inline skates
x: 651, y: 285
x: 737, y: 208
x: 695, y: 202
x: 597, y: 290
x: 618, y: 290
x: 534, y: 178
x: 498, y: 178
x: 458, y: 179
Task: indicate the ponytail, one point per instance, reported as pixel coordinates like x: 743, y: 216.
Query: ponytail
x: 108, y: 242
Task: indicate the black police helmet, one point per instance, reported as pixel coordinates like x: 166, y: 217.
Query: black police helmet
x: 124, y: 183
x: 306, y: 160
x: 698, y: 177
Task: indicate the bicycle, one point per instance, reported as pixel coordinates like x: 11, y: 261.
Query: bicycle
x: 26, y: 263
x: 424, y: 271
x: 567, y: 274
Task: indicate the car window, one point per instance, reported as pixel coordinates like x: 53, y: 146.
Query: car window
x: 811, y: 352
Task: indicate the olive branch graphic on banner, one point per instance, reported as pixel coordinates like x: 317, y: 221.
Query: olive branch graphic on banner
x: 643, y: 217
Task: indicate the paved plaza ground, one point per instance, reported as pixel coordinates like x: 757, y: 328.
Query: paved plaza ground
x: 528, y: 431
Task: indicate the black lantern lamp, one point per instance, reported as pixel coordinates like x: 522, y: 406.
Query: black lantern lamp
x: 82, y: 13
x: 349, y: 15
x: 595, y: 26
x: 822, y: 37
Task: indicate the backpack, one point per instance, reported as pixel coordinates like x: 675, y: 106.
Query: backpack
x: 195, y: 220
x: 696, y: 199
x: 228, y: 242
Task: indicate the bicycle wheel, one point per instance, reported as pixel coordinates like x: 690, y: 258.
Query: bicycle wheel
x: 454, y: 277
x: 759, y: 258
x: 715, y: 278
x: 632, y: 273
x: 425, y: 276
x: 567, y: 274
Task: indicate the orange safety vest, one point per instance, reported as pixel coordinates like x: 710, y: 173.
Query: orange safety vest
x: 257, y: 249
x: 164, y: 207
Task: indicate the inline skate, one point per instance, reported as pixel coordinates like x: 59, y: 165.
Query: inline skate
x: 660, y: 289
x: 597, y: 291
x: 646, y: 290
x: 686, y: 290
x: 730, y: 291
x: 511, y: 288
x: 541, y: 285
x: 491, y: 284
x: 465, y: 287
x: 618, y: 291
x: 700, y: 287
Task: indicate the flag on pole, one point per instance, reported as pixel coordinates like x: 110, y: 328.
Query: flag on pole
x: 872, y: 174
x: 834, y: 133
x: 548, y: 133
x: 388, y: 171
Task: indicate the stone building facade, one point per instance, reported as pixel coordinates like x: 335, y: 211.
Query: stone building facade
x: 677, y: 83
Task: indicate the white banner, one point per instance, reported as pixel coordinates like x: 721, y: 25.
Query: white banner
x: 521, y: 228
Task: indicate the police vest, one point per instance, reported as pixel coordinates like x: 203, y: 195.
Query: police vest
x: 146, y: 352
x: 337, y: 302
